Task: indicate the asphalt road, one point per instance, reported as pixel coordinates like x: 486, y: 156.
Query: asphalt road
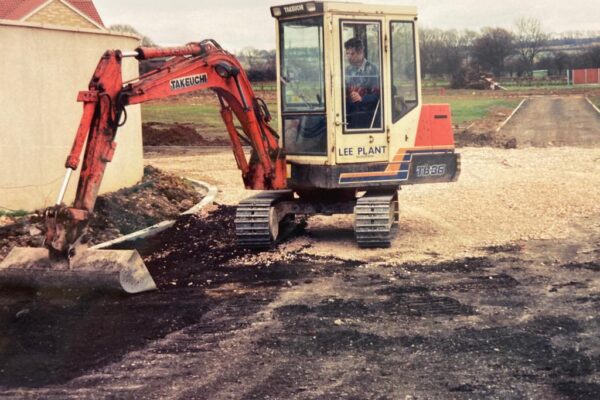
x: 555, y: 121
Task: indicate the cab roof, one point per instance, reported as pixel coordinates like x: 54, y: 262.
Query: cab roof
x: 319, y: 7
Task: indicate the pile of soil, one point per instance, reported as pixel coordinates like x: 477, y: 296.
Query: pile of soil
x: 470, y: 138
x: 199, y: 249
x: 161, y: 134
x: 158, y: 197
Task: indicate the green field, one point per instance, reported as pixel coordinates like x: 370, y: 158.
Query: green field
x: 595, y: 100
x: 470, y: 108
x: 206, y: 115
x: 464, y: 108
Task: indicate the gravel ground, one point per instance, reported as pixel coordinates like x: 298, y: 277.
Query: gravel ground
x: 502, y: 196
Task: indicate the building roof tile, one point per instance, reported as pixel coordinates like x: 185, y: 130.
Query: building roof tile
x: 17, y: 9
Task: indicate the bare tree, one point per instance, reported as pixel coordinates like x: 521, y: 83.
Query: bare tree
x: 125, y: 28
x: 530, y: 39
x: 428, y: 48
x: 562, y: 61
x: 491, y: 49
x: 259, y: 64
x: 444, y: 52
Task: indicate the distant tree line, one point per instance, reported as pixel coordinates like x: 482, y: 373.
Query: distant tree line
x: 260, y: 65
x: 446, y: 53
x: 499, y: 51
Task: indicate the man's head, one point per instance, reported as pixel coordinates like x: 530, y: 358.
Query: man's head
x: 355, y: 51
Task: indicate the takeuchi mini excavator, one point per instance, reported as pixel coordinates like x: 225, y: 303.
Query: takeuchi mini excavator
x: 352, y: 129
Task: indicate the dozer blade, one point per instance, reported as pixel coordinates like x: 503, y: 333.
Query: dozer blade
x: 98, y: 269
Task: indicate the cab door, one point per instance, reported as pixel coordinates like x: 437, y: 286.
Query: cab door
x: 359, y: 72
x: 405, y: 94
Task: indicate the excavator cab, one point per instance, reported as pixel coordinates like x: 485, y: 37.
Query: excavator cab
x: 349, y: 92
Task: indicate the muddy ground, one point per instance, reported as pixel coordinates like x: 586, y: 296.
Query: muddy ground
x: 491, y: 290
x: 520, y: 322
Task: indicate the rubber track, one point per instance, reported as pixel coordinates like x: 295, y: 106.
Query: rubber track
x: 252, y: 219
x: 374, y: 224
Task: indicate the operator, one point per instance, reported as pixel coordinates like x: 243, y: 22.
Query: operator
x: 363, y: 106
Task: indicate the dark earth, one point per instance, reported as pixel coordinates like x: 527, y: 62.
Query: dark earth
x: 158, y: 197
x: 164, y: 134
x: 519, y: 323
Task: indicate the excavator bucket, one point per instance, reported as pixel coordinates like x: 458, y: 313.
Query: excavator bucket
x: 98, y: 269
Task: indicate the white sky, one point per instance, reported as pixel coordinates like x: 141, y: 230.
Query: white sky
x: 240, y: 23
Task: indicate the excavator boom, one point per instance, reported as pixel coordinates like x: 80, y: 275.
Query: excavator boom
x: 196, y: 66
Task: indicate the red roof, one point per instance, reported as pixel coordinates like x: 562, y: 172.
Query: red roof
x: 17, y: 9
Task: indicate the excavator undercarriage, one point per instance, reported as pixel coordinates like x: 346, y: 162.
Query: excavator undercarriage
x: 259, y: 218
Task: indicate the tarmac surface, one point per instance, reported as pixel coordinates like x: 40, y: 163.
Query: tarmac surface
x: 555, y: 121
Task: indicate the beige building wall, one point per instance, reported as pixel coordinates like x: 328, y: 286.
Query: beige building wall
x: 59, y: 13
x: 43, y: 69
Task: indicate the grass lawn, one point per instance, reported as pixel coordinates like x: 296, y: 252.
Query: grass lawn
x: 207, y: 115
x: 595, y: 100
x: 549, y: 87
x: 470, y: 108
x: 464, y: 108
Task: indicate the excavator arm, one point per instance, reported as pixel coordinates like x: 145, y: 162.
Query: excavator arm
x: 194, y: 67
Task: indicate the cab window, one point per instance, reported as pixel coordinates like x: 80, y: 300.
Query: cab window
x: 303, y: 86
x: 361, y: 71
x: 404, y: 69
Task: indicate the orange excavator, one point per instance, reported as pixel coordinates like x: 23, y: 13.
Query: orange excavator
x: 337, y: 153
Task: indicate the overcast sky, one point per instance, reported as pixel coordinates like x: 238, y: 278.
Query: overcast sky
x: 240, y: 23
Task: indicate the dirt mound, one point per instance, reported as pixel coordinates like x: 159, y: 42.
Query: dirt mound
x: 484, y: 139
x: 158, y: 197
x: 161, y: 134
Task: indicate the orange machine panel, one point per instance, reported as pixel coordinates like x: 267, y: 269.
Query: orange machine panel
x: 435, y: 127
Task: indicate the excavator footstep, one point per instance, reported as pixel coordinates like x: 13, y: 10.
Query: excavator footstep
x: 98, y: 269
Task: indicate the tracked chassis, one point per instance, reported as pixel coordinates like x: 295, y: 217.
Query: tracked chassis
x: 259, y: 218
